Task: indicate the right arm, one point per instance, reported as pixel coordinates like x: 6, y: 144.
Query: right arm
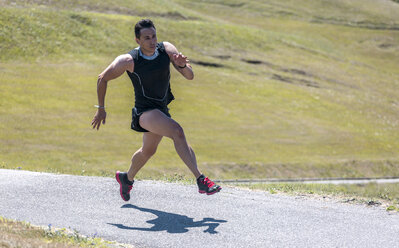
x: 121, y: 64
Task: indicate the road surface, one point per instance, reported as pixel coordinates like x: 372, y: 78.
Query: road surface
x: 163, y: 214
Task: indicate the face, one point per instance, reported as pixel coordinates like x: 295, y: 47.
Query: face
x: 147, y: 40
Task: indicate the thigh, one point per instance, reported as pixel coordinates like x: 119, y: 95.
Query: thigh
x: 158, y: 123
x: 151, y: 141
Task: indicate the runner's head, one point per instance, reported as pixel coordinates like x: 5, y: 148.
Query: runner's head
x: 142, y: 24
x: 146, y: 36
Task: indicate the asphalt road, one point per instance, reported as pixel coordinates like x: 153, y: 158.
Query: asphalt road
x: 173, y: 215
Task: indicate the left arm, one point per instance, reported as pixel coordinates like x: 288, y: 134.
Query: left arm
x: 179, y: 61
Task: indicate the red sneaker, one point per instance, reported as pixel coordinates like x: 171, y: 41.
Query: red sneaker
x: 125, y: 185
x: 206, y: 186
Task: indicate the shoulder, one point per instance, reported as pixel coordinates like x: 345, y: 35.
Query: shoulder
x: 125, y: 61
x: 134, y: 53
x: 124, y: 58
x: 170, y: 48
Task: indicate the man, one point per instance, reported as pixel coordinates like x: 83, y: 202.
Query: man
x: 148, y: 68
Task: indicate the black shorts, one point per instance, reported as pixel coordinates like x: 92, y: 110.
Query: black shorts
x: 135, y: 125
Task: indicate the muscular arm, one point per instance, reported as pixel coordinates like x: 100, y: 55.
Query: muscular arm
x: 179, y: 60
x: 114, y: 70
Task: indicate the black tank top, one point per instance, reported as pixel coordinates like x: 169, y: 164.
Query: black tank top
x: 151, y: 79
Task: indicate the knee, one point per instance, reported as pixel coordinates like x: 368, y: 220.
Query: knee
x: 148, y: 152
x: 178, y: 132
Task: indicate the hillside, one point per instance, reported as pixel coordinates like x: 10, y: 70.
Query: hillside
x: 281, y: 89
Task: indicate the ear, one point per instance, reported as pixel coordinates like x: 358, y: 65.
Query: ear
x: 137, y: 40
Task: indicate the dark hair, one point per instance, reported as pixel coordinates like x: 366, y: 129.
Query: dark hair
x: 144, y: 23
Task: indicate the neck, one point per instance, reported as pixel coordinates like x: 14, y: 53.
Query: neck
x: 146, y: 53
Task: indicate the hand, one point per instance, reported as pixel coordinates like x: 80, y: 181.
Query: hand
x: 179, y: 59
x: 98, y: 118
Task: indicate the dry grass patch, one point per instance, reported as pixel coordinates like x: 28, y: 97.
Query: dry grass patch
x: 24, y: 235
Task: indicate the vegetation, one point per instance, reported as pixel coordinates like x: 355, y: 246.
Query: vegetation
x: 22, y: 234
x: 372, y: 194
x: 281, y: 90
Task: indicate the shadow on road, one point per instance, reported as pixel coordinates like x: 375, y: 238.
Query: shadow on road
x: 172, y: 223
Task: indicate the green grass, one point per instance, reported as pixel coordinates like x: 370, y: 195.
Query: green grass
x: 322, y: 102
x: 22, y: 234
x: 386, y: 195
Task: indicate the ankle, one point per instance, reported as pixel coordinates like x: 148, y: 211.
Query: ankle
x: 129, y: 179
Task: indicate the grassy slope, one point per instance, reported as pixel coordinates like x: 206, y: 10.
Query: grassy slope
x: 322, y: 98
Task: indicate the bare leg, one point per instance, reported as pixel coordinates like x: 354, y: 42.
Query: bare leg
x: 142, y: 155
x: 158, y: 123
